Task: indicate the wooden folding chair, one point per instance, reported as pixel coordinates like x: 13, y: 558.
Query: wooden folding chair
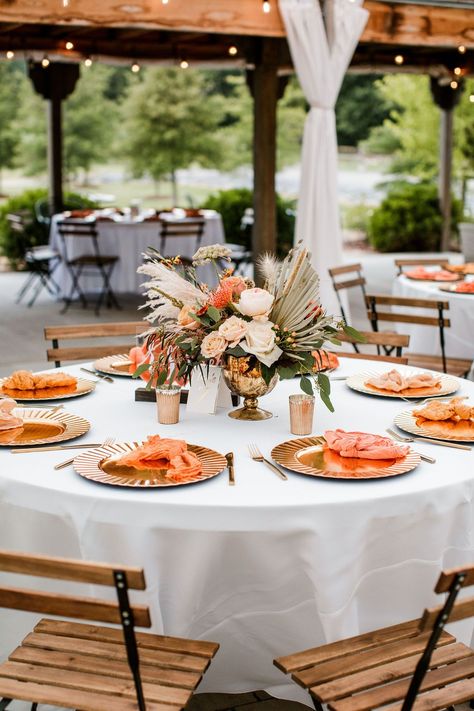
x: 91, y: 667
x: 414, y: 665
x: 88, y: 331
x: 353, y: 277
x: 395, y: 341
x: 420, y: 262
x: 377, y: 313
x: 91, y: 262
x: 192, y: 229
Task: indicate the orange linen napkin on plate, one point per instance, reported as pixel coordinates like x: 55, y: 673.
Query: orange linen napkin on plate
x: 164, y: 453
x: 362, y: 445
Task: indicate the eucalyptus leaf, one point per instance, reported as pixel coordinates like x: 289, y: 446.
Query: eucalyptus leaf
x: 353, y: 333
x: 306, y: 385
x: 214, y: 314
x: 327, y: 401
x: 141, y: 369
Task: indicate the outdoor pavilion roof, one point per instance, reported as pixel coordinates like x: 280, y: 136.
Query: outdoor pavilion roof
x: 427, y: 32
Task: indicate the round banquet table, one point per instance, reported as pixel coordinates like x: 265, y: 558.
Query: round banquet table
x: 267, y: 567
x: 425, y: 339
x: 129, y: 239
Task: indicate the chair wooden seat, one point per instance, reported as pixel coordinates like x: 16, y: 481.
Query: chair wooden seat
x: 88, y: 331
x: 89, y: 667
x: 78, y: 663
x: 414, y: 665
x: 454, y: 366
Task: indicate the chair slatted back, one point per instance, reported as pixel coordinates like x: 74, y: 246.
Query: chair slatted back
x: 352, y: 276
x: 376, y: 312
x: 74, y: 229
x: 189, y: 228
x: 420, y: 262
x: 78, y: 607
x: 381, y: 340
x: 90, y: 331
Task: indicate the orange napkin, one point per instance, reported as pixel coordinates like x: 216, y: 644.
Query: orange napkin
x: 362, y: 445
x: 164, y: 453
x: 7, y: 420
x: 324, y: 360
x: 466, y: 287
x: 440, y: 275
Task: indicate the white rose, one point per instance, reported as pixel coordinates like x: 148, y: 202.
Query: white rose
x: 213, y: 345
x: 256, y: 303
x: 260, y: 342
x: 233, y: 330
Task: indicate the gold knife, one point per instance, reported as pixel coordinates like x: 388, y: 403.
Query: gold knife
x: 230, y: 466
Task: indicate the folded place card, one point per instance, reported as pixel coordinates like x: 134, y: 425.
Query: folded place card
x: 208, y: 391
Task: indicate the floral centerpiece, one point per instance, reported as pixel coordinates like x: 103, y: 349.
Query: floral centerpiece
x: 256, y: 334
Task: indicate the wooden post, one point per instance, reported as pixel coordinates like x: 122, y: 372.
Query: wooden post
x: 266, y: 88
x: 446, y: 97
x: 54, y: 83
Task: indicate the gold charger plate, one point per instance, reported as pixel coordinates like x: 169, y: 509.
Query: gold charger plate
x: 98, y: 465
x: 82, y: 387
x: 43, y: 427
x: 114, y: 365
x: 358, y: 382
x: 447, y: 430
x: 451, y: 289
x: 466, y: 268
x: 308, y: 456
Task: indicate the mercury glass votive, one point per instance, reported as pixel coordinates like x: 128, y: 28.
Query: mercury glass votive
x: 167, y: 402
x: 301, y: 414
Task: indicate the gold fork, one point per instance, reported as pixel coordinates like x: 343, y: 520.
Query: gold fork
x: 106, y: 443
x: 256, y: 454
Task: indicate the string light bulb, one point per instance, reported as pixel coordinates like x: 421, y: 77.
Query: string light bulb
x: 458, y: 71
x: 462, y: 49
x: 164, y: 2
x: 69, y: 45
x: 233, y: 50
x: 135, y: 67
x: 184, y: 64
x: 45, y: 62
x: 471, y: 98
x: 10, y: 54
x: 399, y: 59
x: 266, y: 7
x: 454, y: 84
x: 65, y: 3
x: 88, y: 62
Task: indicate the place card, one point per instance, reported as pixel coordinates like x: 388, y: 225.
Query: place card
x: 208, y: 391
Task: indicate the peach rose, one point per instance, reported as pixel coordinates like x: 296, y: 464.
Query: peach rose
x: 256, y: 303
x: 233, y: 330
x: 213, y: 345
x: 185, y: 320
x: 236, y: 283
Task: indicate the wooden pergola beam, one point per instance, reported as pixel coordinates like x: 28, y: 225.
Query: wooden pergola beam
x: 389, y: 23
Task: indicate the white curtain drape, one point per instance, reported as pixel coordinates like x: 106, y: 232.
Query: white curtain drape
x: 321, y: 52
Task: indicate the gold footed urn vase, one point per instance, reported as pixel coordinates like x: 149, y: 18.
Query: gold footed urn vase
x: 243, y: 377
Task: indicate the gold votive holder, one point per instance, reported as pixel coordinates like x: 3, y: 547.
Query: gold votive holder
x: 167, y: 402
x: 301, y: 414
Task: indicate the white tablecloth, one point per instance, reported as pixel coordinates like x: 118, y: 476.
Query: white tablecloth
x: 425, y: 339
x: 129, y: 240
x: 266, y: 567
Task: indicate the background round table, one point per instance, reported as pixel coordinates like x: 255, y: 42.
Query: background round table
x: 129, y: 239
x: 425, y: 339
x: 264, y: 568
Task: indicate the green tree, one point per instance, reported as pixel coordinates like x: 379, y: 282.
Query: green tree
x: 360, y: 107
x: 11, y: 79
x: 89, y: 121
x: 171, y: 121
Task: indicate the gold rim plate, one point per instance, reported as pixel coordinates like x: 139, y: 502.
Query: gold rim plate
x: 459, y: 277
x: 98, y: 465
x: 358, y: 382
x: 82, y: 387
x: 446, y: 430
x: 451, y: 289
x: 114, y: 365
x: 466, y: 268
x: 308, y: 456
x: 43, y: 427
